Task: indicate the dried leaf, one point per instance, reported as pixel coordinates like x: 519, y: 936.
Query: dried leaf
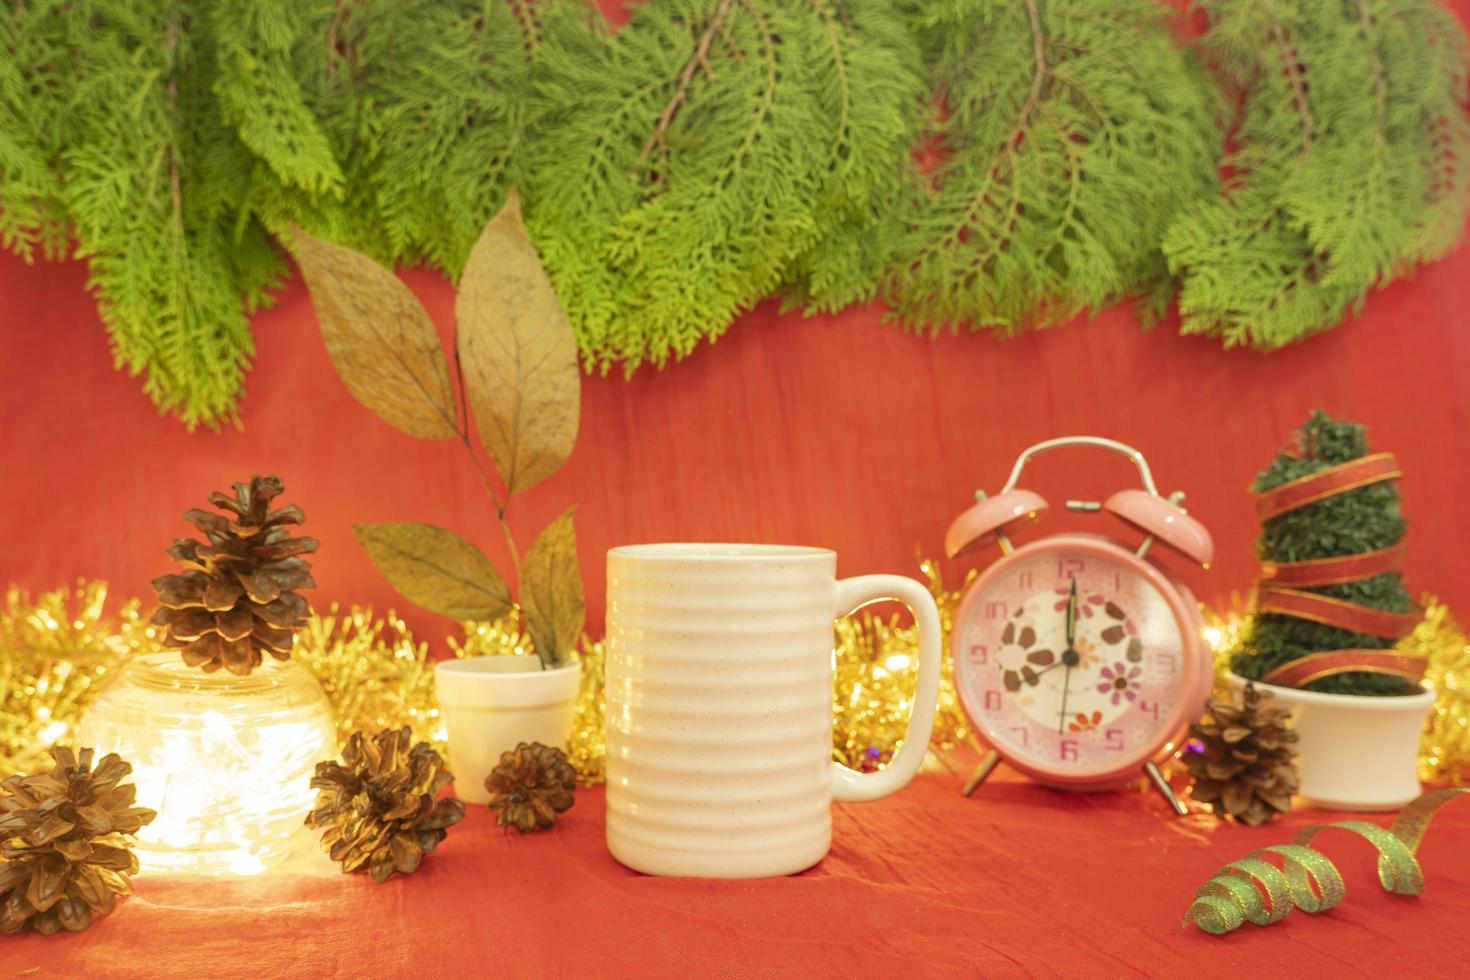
x: 551, y: 591
x: 437, y: 569
x: 518, y: 354
x: 380, y: 339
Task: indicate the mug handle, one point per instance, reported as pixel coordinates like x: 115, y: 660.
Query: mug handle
x: 849, y: 785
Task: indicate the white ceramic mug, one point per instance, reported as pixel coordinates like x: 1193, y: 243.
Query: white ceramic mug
x: 719, y: 705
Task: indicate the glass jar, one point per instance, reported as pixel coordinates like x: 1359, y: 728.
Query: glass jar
x: 226, y: 761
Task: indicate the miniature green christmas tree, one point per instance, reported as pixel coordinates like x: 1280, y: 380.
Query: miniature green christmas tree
x: 1351, y: 522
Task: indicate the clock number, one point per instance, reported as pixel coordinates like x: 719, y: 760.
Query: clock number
x: 1169, y: 662
x: 1149, y: 707
x: 995, y: 610
x: 1024, y: 581
x: 1069, y: 750
x: 1115, y: 739
x: 1070, y: 567
x: 978, y: 655
x: 1117, y: 582
x: 1020, y: 732
x: 992, y: 700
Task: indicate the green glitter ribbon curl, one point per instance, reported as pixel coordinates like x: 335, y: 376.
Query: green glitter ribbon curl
x: 1255, y: 890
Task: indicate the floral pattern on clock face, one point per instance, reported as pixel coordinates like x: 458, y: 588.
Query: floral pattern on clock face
x: 1072, y: 661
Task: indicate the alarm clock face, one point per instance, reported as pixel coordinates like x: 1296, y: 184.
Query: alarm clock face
x: 1082, y: 710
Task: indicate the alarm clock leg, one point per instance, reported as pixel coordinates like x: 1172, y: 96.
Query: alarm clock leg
x: 981, y: 772
x: 1162, y: 785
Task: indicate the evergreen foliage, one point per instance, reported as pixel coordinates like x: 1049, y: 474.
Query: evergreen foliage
x: 709, y: 152
x: 140, y: 165
x: 1069, y: 135
x: 32, y: 211
x: 1349, y: 523
x: 1352, y: 163
x: 715, y: 152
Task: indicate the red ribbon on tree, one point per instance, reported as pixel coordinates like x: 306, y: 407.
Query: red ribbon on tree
x: 1281, y: 582
x: 1330, y: 571
x: 1335, y: 612
x: 1373, y: 468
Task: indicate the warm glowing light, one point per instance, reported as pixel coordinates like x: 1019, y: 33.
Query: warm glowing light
x: 226, y: 761
x: 52, y: 732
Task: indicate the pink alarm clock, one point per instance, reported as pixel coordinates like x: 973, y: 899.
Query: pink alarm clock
x: 1077, y: 656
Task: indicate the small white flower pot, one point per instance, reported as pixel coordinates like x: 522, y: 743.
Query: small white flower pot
x: 490, y: 704
x: 1354, y: 752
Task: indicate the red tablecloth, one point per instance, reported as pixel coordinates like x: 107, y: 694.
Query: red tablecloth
x: 1017, y: 880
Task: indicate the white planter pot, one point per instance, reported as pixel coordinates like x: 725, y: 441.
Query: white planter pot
x: 490, y: 704
x: 1354, y: 753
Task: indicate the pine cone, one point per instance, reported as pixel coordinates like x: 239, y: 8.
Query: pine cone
x: 1245, y: 768
x: 532, y: 784
x: 238, y: 595
x: 378, y: 804
x: 64, y: 843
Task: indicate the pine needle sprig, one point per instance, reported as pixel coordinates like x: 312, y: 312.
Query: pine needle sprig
x: 713, y: 153
x: 31, y: 82
x: 257, y: 89
x: 873, y: 83
x: 1068, y: 132
x: 1352, y: 164
x: 686, y: 166
x: 172, y: 286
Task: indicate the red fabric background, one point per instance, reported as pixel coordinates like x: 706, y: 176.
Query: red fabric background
x: 839, y: 431
x: 1016, y: 881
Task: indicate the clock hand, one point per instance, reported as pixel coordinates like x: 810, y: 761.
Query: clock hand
x: 1066, y: 689
x: 1072, y: 616
x: 1069, y: 656
x: 1043, y: 671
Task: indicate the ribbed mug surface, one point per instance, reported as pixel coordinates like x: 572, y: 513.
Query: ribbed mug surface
x: 719, y: 708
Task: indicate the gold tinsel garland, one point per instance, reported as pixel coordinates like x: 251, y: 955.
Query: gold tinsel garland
x: 1444, y: 748
x: 373, y: 672
x: 56, y: 651
x: 877, y: 664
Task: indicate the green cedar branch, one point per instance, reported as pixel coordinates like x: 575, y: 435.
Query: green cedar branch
x: 713, y: 153
x: 1366, y: 175
x: 1068, y: 133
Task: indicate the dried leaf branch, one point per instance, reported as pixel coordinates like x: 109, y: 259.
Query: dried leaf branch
x: 515, y: 365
